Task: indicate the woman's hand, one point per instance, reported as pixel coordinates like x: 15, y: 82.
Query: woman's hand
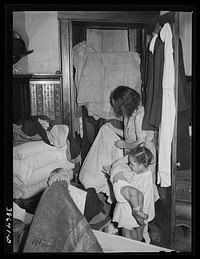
x: 119, y: 144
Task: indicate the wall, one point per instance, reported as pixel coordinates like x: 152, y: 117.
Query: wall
x: 19, y: 19
x: 42, y: 30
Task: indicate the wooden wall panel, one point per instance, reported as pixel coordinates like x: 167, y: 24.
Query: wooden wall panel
x: 46, y: 99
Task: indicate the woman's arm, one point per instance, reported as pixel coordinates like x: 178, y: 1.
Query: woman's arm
x: 127, y: 145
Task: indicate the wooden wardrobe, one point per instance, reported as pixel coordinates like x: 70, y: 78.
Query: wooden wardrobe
x: 73, y: 25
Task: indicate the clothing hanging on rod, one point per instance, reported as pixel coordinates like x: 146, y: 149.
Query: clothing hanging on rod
x: 153, y: 84
x: 168, y: 110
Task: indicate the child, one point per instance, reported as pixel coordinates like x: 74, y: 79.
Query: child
x: 133, y: 189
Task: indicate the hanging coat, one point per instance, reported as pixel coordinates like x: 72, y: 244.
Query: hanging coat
x: 153, y: 85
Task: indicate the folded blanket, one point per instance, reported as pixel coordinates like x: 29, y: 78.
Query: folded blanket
x: 58, y: 225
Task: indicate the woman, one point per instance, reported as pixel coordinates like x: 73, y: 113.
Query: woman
x: 108, y: 146
x: 125, y: 103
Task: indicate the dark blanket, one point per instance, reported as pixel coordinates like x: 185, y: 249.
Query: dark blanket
x: 58, y: 225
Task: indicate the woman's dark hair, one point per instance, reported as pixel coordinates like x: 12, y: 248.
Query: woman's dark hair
x: 124, y: 100
x: 142, y: 155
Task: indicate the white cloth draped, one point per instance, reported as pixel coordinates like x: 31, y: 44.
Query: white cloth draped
x: 102, y: 152
x: 97, y: 74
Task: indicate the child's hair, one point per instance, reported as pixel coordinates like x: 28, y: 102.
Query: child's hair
x: 142, y: 155
x: 124, y: 100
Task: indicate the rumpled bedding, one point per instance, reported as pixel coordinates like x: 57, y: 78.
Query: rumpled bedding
x: 32, y: 163
x: 97, y: 74
x: 59, y: 226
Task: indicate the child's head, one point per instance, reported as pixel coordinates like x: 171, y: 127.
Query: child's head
x: 140, y: 158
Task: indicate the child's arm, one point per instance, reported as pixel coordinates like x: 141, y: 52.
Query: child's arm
x: 119, y: 176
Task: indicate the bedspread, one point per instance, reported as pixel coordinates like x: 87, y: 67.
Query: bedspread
x: 58, y: 225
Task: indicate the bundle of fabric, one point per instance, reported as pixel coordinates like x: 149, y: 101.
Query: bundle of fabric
x: 33, y: 162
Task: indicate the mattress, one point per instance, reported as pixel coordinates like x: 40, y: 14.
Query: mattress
x: 32, y: 163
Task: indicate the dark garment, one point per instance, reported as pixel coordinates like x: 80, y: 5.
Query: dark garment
x: 33, y: 127
x: 182, y: 83
x: 58, y: 225
x: 153, y: 87
x: 93, y: 205
x: 74, y: 145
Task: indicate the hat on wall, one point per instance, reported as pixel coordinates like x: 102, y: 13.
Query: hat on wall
x: 20, y: 44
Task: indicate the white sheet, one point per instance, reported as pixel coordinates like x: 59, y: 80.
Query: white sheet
x: 101, y: 73
x: 113, y: 243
